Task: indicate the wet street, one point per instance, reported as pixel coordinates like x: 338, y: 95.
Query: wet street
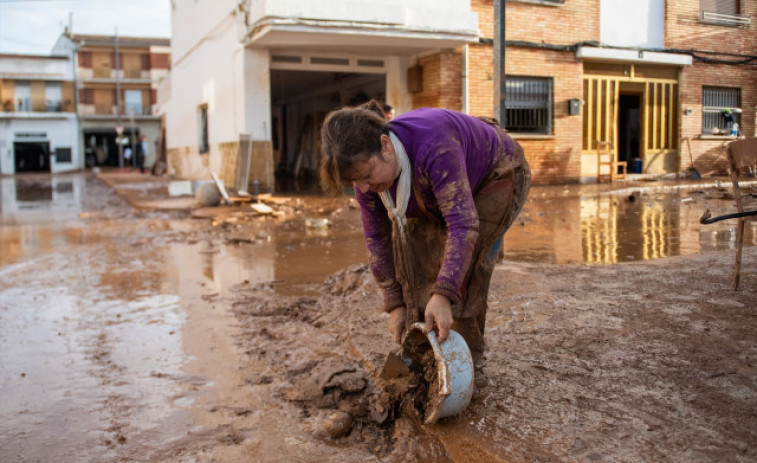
x: 117, y: 338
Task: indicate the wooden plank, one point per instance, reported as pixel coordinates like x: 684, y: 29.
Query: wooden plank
x: 663, y: 117
x: 655, y: 121
x: 590, y: 115
x: 615, y: 109
x: 646, y: 119
x: 673, y: 114
x: 606, y: 109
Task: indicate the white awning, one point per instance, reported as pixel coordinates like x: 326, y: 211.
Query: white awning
x: 633, y: 56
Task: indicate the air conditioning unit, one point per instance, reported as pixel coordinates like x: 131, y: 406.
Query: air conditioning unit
x: 727, y: 19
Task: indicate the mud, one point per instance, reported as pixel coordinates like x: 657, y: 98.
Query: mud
x: 149, y: 331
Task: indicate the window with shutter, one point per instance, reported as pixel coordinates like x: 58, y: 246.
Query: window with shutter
x: 723, y: 13
x: 730, y: 7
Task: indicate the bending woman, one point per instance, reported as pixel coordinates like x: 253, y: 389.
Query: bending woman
x: 437, y: 190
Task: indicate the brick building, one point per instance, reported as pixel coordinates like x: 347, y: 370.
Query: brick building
x: 256, y: 78
x: 646, y: 85
x: 116, y: 80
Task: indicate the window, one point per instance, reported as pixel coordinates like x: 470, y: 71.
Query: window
x: 87, y: 96
x: 721, y: 107
x: 62, y: 155
x: 528, y: 104
x: 133, y: 102
x: 203, y: 113
x: 722, y: 12
x: 720, y: 6
x: 23, y: 94
x: 53, y: 97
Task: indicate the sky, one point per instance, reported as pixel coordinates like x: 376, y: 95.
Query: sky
x: 33, y: 26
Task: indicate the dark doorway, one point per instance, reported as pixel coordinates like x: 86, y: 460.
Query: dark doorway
x: 32, y: 156
x: 100, y: 148
x: 629, y: 127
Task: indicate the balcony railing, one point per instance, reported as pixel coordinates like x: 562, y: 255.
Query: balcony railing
x: 100, y: 73
x: 110, y: 110
x: 52, y: 106
x: 23, y: 105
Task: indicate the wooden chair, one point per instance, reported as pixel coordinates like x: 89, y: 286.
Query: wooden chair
x: 742, y: 154
x: 616, y: 170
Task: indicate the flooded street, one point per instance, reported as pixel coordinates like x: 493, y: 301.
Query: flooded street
x: 164, y: 334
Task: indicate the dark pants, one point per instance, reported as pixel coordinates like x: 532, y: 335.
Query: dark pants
x: 141, y: 162
x: 498, y: 202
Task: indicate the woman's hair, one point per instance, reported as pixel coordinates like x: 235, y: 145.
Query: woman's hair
x: 349, y: 135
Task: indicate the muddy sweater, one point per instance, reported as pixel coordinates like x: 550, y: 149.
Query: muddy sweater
x: 450, y: 154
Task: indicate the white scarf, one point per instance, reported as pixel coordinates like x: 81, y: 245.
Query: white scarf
x: 397, y: 214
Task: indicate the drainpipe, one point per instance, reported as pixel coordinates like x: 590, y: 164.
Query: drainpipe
x: 499, y: 61
x: 466, y: 109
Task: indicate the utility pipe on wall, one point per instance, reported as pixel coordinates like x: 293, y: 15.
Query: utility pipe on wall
x: 499, y: 61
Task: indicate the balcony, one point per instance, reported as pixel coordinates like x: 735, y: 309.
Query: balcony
x: 109, y: 110
x: 110, y: 74
x: 393, y: 27
x: 53, y: 106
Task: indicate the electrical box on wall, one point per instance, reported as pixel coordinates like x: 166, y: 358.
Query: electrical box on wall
x: 574, y: 107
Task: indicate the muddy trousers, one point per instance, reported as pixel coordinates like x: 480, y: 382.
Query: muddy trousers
x: 498, y: 203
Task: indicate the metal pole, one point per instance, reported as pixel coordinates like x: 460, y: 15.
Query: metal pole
x: 118, y: 108
x: 499, y: 62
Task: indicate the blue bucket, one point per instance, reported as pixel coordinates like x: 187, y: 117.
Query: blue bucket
x: 454, y: 366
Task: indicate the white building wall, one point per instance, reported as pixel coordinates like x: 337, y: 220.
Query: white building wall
x: 637, y: 23
x: 257, y: 93
x: 212, y: 66
x: 430, y: 15
x: 60, y: 132
x: 205, y: 76
x: 36, y: 68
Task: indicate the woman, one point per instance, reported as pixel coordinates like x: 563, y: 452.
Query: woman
x: 437, y: 190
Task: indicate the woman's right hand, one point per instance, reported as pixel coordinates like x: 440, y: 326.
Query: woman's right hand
x: 397, y: 323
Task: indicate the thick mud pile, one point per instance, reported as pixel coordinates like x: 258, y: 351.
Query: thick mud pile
x: 325, y: 356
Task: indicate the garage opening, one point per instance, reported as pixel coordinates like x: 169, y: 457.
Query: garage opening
x: 32, y: 156
x: 101, y: 147
x: 300, y: 101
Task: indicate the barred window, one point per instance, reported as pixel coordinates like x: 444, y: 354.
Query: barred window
x: 528, y: 104
x: 721, y: 106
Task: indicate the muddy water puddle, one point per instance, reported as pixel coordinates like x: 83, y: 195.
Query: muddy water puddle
x: 607, y: 228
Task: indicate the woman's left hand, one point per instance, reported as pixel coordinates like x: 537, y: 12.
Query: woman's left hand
x: 439, y: 313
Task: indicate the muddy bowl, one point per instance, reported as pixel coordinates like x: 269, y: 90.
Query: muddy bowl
x: 451, y: 389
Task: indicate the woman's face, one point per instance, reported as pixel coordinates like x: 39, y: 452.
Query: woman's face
x: 376, y: 174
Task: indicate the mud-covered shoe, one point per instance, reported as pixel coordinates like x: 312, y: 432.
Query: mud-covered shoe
x: 481, y: 385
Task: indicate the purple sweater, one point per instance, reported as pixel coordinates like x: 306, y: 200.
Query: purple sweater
x: 450, y: 154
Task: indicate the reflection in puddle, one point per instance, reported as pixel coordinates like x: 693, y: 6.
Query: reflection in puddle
x: 594, y: 229
x: 607, y: 229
